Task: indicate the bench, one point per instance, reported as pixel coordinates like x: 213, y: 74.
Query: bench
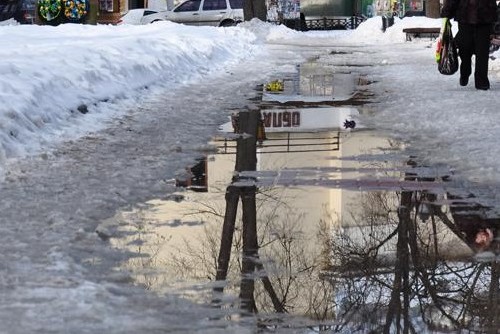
x: 421, y: 32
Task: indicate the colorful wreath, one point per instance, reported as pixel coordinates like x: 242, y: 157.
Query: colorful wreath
x: 49, y: 9
x: 75, y: 10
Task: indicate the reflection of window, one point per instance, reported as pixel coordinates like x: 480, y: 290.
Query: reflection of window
x: 214, y: 5
x: 236, y: 4
x: 189, y: 6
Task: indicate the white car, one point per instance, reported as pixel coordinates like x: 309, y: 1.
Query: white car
x: 221, y: 13
x: 141, y: 16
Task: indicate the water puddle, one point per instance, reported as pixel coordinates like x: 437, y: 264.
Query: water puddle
x: 309, y: 221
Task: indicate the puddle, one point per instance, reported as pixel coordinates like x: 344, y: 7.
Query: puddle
x: 315, y: 225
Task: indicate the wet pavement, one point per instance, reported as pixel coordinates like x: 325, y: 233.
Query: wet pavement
x: 312, y: 222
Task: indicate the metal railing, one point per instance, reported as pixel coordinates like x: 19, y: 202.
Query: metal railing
x: 287, y: 142
x: 335, y: 23
x: 324, y: 23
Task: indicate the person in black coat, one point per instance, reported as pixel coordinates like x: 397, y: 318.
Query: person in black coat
x: 475, y: 24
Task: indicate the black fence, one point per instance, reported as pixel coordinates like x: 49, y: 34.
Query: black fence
x: 287, y: 142
x: 336, y: 23
x: 324, y: 23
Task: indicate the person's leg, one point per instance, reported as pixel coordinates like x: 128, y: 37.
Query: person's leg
x: 465, y: 44
x: 482, y: 49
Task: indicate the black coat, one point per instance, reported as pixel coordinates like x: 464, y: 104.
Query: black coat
x: 470, y: 11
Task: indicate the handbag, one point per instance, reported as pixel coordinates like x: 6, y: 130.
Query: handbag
x: 446, y: 50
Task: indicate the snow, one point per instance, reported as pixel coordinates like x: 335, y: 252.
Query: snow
x: 50, y: 73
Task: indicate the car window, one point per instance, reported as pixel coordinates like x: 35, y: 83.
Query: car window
x: 189, y: 6
x: 236, y: 4
x: 214, y: 4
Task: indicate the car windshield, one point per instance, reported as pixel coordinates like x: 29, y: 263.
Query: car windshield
x: 189, y: 6
x: 236, y: 4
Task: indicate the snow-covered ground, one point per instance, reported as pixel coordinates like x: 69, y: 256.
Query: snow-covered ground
x: 93, y: 118
x: 49, y: 72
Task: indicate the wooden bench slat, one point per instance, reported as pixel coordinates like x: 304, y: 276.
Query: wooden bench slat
x: 421, y: 30
x: 432, y: 32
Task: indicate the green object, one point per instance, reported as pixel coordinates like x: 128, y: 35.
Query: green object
x: 49, y: 10
x: 327, y: 8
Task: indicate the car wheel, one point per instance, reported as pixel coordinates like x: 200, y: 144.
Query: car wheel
x: 227, y: 23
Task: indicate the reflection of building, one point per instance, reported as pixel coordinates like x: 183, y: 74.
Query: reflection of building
x: 314, y: 120
x: 313, y: 83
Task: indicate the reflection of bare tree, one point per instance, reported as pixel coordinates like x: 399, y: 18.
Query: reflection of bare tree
x: 416, y: 288
x: 382, y: 272
x: 279, y: 289
x: 294, y: 261
x: 286, y: 276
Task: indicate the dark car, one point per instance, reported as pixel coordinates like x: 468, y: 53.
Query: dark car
x: 26, y: 13
x: 23, y: 11
x: 8, y: 9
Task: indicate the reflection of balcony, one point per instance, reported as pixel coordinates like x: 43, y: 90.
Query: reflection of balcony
x: 293, y: 130
x: 288, y: 142
x: 320, y: 85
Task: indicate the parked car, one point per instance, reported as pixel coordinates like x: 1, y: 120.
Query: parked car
x: 220, y: 13
x: 26, y: 12
x: 23, y: 11
x: 141, y: 16
x: 8, y: 9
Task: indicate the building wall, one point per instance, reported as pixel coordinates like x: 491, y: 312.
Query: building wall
x: 110, y: 11
x: 327, y: 8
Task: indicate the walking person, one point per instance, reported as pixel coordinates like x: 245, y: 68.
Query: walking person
x: 475, y: 25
